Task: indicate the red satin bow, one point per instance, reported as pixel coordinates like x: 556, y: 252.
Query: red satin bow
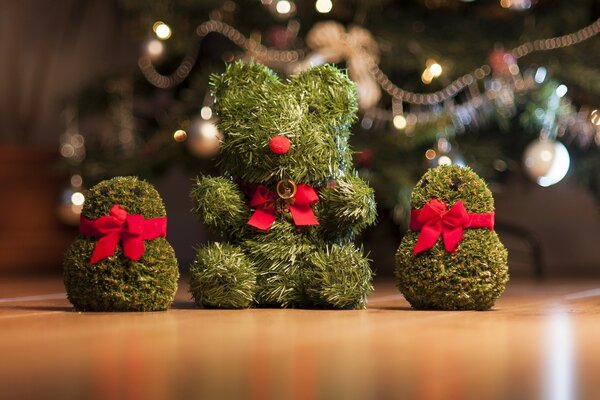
x: 434, y: 220
x: 130, y: 230
x: 264, y: 215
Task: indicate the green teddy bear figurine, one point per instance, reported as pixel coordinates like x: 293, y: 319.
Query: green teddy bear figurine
x: 121, y: 261
x: 451, y: 257
x: 288, y: 202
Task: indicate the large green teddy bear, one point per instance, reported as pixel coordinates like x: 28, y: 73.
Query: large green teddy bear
x: 288, y: 203
x: 451, y: 257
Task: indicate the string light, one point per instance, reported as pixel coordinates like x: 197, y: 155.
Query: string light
x: 540, y: 75
x: 500, y: 165
x: 432, y: 70
x: 444, y: 160
x: 399, y: 122
x: 595, y: 117
x: 436, y: 70
x: 180, y: 135
x: 561, y: 90
x: 516, y: 4
x: 76, y: 180
x: 77, y: 198
x: 154, y: 48
x: 162, y: 30
x: 67, y: 150
x: 396, y: 92
x: 427, y: 76
x: 323, y: 6
x: 183, y: 70
x: 206, y: 112
x: 466, y: 80
x: 283, y: 7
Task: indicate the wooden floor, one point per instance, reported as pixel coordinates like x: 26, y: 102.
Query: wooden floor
x: 542, y: 341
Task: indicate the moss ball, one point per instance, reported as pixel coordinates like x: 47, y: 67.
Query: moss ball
x: 118, y: 283
x: 134, y: 195
x: 475, y: 274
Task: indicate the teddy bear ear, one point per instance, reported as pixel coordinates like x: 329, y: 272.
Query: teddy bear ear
x: 241, y: 82
x: 328, y: 91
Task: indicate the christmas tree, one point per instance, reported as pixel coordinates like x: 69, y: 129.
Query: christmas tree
x: 439, y: 82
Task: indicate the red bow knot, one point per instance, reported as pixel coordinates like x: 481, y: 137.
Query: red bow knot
x: 300, y: 207
x: 434, y: 220
x: 130, y: 230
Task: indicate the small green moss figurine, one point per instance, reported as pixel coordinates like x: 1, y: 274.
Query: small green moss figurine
x: 121, y: 261
x: 288, y: 203
x: 451, y: 258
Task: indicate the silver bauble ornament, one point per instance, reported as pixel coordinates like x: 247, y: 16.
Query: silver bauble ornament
x: 546, y: 161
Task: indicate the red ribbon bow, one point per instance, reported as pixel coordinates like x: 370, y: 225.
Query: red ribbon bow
x: 434, y: 220
x: 130, y: 230
x: 264, y: 215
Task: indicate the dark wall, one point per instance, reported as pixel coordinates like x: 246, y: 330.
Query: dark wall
x: 48, y: 51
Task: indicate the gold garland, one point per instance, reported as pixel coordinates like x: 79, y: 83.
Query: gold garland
x: 352, y: 46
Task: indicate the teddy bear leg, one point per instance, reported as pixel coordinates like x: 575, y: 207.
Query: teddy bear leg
x: 222, y: 276
x: 338, y: 277
x: 279, y: 281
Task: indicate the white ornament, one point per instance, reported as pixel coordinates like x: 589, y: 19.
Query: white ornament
x: 204, y: 137
x: 546, y: 161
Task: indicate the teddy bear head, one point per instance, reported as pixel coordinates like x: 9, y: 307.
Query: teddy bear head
x: 450, y: 183
x: 295, y: 129
x: 134, y: 195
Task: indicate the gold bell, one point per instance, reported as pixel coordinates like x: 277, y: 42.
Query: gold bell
x: 286, y: 189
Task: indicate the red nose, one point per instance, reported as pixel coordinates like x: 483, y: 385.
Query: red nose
x: 279, y: 144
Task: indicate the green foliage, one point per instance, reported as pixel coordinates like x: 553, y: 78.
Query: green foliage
x: 219, y: 203
x: 339, y: 277
x: 222, y: 277
x: 451, y: 183
x: 118, y: 283
x: 134, y: 195
x: 279, y: 257
x: 294, y: 266
x: 349, y: 206
x: 472, y: 277
x: 313, y: 110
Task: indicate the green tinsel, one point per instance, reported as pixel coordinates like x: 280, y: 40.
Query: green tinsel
x: 118, y: 283
x: 286, y: 266
x: 340, y: 272
x: 221, y: 204
x: 222, y: 276
x: 472, y: 277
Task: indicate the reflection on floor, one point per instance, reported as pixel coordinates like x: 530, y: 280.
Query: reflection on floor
x: 542, y: 340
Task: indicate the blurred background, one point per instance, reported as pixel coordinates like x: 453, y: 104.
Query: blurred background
x: 91, y: 89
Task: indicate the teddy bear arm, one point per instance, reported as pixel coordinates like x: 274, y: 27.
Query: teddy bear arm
x: 219, y: 204
x: 348, y: 206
